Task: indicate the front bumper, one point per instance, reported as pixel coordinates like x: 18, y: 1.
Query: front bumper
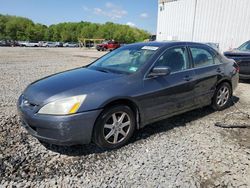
x: 60, y: 130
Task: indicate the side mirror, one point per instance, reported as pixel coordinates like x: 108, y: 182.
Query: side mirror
x: 160, y: 71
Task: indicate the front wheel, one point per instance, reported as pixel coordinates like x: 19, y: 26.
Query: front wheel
x: 114, y: 127
x: 222, y: 96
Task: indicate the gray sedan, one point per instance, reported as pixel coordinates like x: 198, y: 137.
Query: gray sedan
x: 138, y: 84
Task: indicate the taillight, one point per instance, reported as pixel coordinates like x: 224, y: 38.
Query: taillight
x: 237, y: 67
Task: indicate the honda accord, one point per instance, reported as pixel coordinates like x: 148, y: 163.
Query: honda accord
x: 138, y: 84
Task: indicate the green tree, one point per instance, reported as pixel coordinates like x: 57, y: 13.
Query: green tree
x: 19, y: 28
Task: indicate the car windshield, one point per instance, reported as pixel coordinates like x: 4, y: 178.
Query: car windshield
x: 124, y: 60
x: 245, y: 47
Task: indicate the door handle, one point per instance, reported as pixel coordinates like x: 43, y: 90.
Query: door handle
x: 187, y: 78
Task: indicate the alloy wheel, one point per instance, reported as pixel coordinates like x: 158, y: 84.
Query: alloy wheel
x: 117, y: 127
x: 223, y: 96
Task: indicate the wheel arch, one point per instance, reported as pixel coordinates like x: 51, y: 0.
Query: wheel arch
x: 214, y: 100
x: 127, y: 102
x: 227, y: 80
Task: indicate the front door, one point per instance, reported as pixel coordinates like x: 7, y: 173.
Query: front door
x: 165, y: 95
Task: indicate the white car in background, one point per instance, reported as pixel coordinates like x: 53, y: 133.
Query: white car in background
x: 22, y: 43
x: 29, y: 43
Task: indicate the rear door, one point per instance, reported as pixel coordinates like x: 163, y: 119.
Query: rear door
x: 165, y: 95
x: 208, y: 70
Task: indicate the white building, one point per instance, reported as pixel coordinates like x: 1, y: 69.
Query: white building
x: 226, y: 22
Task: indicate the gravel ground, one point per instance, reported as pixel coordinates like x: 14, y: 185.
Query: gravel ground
x: 183, y: 151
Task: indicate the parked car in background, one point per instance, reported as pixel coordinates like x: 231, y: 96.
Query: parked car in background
x: 89, y: 44
x: 5, y: 43
x: 125, y: 90
x: 71, y: 44
x: 108, y: 45
x: 42, y: 43
x: 53, y: 44
x: 59, y: 44
x: 242, y: 56
x: 22, y: 43
x: 30, y: 44
x: 50, y: 44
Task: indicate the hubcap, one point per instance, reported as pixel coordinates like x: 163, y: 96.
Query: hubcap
x: 117, y: 127
x: 222, y: 96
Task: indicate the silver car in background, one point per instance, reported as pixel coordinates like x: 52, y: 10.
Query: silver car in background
x: 71, y: 44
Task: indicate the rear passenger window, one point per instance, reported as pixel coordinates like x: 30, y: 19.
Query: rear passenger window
x: 217, y: 59
x: 201, y: 57
x: 176, y: 59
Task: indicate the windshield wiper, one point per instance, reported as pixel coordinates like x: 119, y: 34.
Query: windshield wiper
x: 106, y: 70
x: 101, y: 69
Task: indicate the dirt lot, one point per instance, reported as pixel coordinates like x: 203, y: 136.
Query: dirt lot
x: 183, y: 151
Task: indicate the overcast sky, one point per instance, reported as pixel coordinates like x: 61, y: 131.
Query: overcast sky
x: 139, y: 13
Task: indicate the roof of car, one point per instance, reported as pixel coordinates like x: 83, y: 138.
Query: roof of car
x: 165, y: 43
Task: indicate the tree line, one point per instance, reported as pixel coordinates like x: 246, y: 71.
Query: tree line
x: 23, y: 29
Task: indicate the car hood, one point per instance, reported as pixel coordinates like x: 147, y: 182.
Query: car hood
x: 73, y: 82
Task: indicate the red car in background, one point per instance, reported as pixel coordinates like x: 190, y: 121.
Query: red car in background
x: 108, y: 45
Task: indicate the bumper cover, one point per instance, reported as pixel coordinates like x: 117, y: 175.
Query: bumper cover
x: 60, y: 130
x: 245, y: 76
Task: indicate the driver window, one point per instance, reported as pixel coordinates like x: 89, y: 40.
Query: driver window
x: 176, y: 59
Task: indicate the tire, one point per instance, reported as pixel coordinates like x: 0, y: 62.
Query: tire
x: 222, y: 96
x: 112, y: 133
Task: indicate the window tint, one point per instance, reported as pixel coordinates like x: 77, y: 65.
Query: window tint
x: 176, y: 59
x: 201, y: 57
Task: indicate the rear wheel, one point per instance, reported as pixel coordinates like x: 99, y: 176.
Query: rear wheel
x: 114, y: 127
x: 222, y: 96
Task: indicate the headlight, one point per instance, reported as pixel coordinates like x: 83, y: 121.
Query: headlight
x: 64, y: 106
